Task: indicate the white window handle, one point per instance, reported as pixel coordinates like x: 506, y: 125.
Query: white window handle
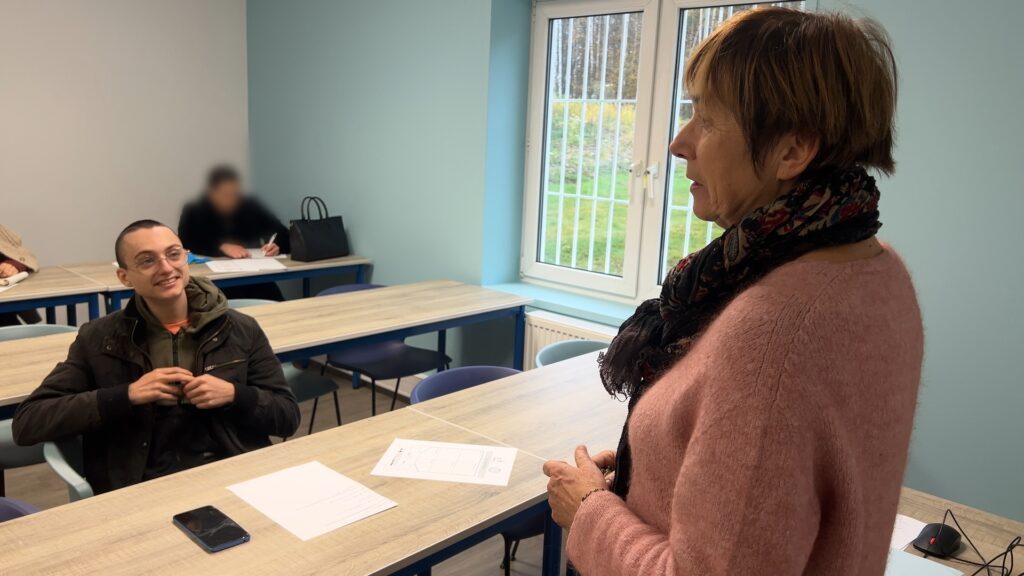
x: 634, y: 171
x: 652, y: 173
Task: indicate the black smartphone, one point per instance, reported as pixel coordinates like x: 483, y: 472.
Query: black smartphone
x: 211, y: 529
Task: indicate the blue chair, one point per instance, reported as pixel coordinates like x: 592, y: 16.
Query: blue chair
x: 305, y: 385
x: 12, y: 455
x: 567, y: 349
x: 66, y: 458
x: 389, y: 360
x: 459, y: 379
x: 11, y: 509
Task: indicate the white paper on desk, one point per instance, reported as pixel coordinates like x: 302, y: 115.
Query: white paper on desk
x: 245, y: 265
x: 467, y: 463
x: 258, y: 253
x: 13, y: 279
x: 311, y: 499
x: 905, y: 531
x: 906, y: 564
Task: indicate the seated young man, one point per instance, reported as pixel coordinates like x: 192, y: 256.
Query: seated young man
x: 173, y: 381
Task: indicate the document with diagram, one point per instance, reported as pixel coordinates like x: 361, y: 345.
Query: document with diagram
x: 447, y: 462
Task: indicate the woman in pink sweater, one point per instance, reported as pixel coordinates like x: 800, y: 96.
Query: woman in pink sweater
x: 772, y: 385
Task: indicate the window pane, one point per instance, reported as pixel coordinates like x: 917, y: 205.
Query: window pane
x: 682, y: 232
x: 589, y: 113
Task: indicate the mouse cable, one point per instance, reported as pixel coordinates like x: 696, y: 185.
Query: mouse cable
x: 1004, y: 570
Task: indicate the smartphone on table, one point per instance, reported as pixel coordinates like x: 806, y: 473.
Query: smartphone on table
x: 211, y: 529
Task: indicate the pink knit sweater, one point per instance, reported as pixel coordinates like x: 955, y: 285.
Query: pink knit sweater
x: 777, y: 445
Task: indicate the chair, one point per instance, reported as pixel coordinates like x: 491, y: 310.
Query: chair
x: 392, y: 359
x: 305, y: 385
x: 11, y: 509
x: 567, y: 349
x: 459, y: 379
x: 12, y: 455
x: 65, y: 458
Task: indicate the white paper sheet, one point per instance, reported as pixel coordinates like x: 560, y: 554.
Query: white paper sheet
x: 466, y: 463
x: 905, y: 531
x: 906, y: 564
x: 311, y: 499
x: 258, y: 253
x: 245, y: 265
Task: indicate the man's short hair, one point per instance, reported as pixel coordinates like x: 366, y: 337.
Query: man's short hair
x: 219, y: 175
x: 137, y: 225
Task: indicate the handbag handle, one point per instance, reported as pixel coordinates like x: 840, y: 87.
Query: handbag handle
x: 321, y: 208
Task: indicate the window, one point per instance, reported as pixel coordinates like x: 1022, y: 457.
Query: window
x: 607, y: 208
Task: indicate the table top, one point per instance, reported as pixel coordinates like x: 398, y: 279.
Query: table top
x: 129, y: 531
x: 308, y: 322
x: 293, y: 325
x: 523, y: 410
x: 105, y: 273
x: 48, y: 282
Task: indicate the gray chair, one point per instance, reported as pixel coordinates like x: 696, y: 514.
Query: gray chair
x: 12, y: 455
x: 65, y: 458
x: 567, y: 349
x: 305, y: 385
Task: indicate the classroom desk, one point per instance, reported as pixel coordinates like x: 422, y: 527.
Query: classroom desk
x: 302, y: 328
x: 105, y: 273
x: 129, y: 531
x: 536, y: 410
x: 53, y: 286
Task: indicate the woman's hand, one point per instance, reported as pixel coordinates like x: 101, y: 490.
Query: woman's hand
x: 234, y: 250
x: 7, y: 270
x: 271, y: 249
x: 569, y: 484
x: 606, y: 462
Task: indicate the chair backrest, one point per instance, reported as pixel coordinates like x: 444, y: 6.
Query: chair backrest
x: 567, y: 349
x: 32, y: 331
x: 345, y: 288
x: 237, y: 303
x: 11, y: 509
x: 457, y: 379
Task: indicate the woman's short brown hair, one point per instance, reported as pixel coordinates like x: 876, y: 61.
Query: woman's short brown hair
x: 783, y: 71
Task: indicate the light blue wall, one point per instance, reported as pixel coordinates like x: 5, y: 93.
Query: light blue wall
x: 408, y: 118
x: 954, y: 209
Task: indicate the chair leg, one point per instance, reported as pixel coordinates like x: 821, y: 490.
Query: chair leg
x: 373, y: 397
x: 515, y: 548
x: 506, y: 563
x: 312, y: 417
x: 394, y: 397
x: 337, y: 407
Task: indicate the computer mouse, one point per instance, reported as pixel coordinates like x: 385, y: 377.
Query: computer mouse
x: 938, y: 540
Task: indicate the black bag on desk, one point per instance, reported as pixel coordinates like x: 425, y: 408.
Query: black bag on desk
x: 317, y: 238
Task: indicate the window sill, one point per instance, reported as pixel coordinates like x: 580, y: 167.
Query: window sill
x: 570, y: 304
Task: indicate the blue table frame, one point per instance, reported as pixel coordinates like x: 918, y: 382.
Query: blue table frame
x: 114, y: 298
x: 550, y: 565
x: 92, y: 299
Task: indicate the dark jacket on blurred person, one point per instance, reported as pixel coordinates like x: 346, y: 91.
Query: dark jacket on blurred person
x: 202, y: 230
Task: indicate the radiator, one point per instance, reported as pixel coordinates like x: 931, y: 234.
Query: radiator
x: 543, y: 328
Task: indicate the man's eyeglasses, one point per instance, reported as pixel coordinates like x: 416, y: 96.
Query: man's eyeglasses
x: 148, y: 262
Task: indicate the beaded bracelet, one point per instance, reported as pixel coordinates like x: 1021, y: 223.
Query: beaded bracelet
x: 587, y: 495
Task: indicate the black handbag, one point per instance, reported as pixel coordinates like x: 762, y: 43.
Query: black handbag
x: 317, y: 238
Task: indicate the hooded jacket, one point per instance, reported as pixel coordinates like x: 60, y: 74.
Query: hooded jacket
x: 87, y: 394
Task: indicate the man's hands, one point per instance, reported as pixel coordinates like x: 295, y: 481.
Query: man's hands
x: 171, y: 384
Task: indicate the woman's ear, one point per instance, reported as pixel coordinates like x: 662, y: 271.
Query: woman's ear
x: 797, y: 151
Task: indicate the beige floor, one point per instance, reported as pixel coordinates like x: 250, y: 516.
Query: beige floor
x: 38, y: 485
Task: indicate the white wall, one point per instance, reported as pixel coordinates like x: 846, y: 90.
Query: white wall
x: 112, y: 110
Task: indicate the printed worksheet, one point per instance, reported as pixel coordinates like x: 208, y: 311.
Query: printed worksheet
x: 311, y: 499
x: 245, y: 265
x: 467, y: 463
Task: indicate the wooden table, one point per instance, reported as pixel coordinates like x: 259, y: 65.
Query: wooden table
x: 105, y: 273
x: 53, y: 286
x: 311, y: 326
x: 129, y: 531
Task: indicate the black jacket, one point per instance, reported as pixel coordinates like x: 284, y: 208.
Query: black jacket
x: 202, y: 230
x: 87, y: 395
